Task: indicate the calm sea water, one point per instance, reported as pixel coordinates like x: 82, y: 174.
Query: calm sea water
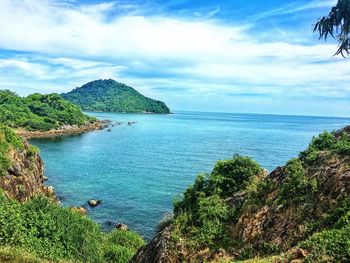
x: 137, y: 170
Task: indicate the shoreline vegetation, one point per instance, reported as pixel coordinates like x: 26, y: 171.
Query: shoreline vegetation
x: 65, y: 130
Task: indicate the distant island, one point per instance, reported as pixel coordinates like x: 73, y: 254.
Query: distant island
x: 112, y: 96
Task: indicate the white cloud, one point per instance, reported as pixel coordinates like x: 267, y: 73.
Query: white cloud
x: 76, y: 44
x: 293, y: 8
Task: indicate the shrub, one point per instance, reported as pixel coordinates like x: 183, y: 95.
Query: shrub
x: 297, y: 187
x: 211, y: 215
x: 49, y: 231
x: 8, y: 139
x: 234, y: 175
x: 202, y: 213
x: 328, y: 246
x: 120, y: 246
x: 326, y: 142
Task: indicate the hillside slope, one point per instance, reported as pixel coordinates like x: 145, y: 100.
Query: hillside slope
x: 111, y: 96
x: 238, y: 212
x: 21, y: 168
x: 39, y: 112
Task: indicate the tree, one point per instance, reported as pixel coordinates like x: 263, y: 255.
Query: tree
x: 337, y: 25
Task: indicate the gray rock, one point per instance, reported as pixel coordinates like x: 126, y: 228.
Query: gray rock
x: 121, y: 226
x: 94, y: 203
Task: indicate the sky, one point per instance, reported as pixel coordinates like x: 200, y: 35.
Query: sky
x: 220, y: 56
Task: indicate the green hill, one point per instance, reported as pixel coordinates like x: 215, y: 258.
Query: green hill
x: 111, y: 96
x: 39, y: 112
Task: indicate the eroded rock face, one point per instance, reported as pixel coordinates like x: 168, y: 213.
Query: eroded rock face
x: 157, y: 251
x: 24, y: 179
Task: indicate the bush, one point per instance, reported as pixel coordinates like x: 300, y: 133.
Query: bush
x: 234, y: 175
x: 8, y: 140
x: 202, y: 213
x: 211, y: 215
x: 328, y: 246
x: 297, y: 187
x: 49, y: 231
x: 121, y: 246
x: 326, y: 142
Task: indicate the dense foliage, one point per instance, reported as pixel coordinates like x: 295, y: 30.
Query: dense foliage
x: 205, y: 217
x: 39, y: 112
x: 326, y: 142
x: 8, y: 141
x: 51, y: 232
x: 202, y: 213
x: 332, y: 244
x: 111, y: 96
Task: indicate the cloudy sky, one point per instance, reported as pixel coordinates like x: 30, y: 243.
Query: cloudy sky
x: 225, y: 56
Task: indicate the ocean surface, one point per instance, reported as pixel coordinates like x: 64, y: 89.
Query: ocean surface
x: 137, y: 170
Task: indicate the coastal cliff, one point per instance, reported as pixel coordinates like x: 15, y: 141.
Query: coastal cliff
x: 22, y: 170
x: 297, y: 213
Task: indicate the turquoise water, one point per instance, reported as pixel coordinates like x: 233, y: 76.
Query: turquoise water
x: 137, y: 170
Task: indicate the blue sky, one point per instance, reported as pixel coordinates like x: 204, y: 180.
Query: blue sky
x: 225, y: 56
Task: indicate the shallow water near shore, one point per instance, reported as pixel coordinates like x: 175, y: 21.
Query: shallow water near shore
x: 138, y: 169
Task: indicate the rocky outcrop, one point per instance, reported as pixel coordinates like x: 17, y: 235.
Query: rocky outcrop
x: 64, y: 130
x: 122, y: 227
x: 269, y: 224
x: 157, y: 251
x: 24, y: 179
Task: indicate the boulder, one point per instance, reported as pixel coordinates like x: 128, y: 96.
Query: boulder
x: 121, y: 226
x: 80, y: 210
x: 94, y: 202
x: 15, y: 170
x: 300, y: 253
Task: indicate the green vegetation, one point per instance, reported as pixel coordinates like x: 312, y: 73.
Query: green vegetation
x: 330, y: 245
x: 39, y: 112
x: 9, y: 140
x: 326, y: 143
x: 208, y: 214
x: 296, y: 182
x: 48, y: 231
x: 202, y: 214
x: 111, y: 96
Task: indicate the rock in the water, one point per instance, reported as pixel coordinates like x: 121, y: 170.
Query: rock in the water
x: 122, y: 227
x: 50, y: 191
x: 93, y: 202
x: 45, y: 178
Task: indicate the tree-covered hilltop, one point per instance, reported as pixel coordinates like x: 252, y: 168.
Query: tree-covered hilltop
x: 39, y: 112
x: 238, y: 212
x: 111, y: 96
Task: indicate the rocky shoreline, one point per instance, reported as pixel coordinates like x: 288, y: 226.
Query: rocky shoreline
x: 65, y: 130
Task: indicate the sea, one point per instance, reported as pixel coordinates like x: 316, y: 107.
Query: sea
x: 138, y: 170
